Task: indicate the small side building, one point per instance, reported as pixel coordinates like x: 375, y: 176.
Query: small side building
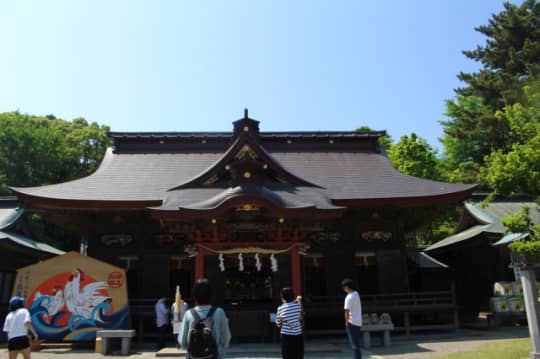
x: 472, y: 254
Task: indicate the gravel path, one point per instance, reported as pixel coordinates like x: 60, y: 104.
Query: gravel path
x: 414, y: 347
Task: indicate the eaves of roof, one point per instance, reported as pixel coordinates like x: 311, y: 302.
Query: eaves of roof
x: 459, y: 237
x: 132, y: 181
x: 511, y: 237
x: 479, y: 214
x: 8, y: 216
x: 425, y: 261
x: 29, y: 243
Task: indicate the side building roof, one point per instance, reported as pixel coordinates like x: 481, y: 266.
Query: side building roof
x: 10, y: 213
x: 486, y: 221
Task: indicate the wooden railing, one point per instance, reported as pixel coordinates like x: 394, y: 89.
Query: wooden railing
x: 440, y: 305
x: 411, y: 311
x: 409, y: 300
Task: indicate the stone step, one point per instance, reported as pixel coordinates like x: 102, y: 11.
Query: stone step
x: 171, y: 352
x: 46, y: 346
x: 255, y: 349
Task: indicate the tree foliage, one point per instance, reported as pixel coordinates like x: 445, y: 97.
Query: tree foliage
x: 520, y: 222
x: 518, y: 169
x: 510, y: 61
x: 384, y: 141
x: 413, y: 156
x: 38, y: 150
x: 509, y: 57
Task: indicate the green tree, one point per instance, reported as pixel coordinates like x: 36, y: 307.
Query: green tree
x: 384, y: 141
x: 510, y: 60
x: 44, y: 150
x: 87, y: 144
x: 413, y: 156
x: 520, y: 222
x: 518, y: 169
x: 464, y: 135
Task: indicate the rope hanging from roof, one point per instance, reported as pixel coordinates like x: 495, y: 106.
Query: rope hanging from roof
x: 246, y: 250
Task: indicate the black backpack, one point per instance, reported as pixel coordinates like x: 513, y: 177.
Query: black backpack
x: 201, y: 341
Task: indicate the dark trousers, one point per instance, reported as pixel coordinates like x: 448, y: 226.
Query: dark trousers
x: 292, y: 346
x: 162, y: 333
x: 353, y: 332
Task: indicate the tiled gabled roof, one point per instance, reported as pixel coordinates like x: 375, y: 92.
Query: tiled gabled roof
x: 344, y: 175
x: 345, y: 168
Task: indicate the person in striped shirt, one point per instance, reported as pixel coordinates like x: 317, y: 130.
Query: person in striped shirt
x: 289, y: 318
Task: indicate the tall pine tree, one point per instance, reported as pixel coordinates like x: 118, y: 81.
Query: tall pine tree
x: 510, y: 60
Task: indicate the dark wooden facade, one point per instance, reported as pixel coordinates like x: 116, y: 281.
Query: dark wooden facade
x: 314, y: 207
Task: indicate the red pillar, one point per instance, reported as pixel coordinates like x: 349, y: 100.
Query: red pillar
x: 295, y: 271
x: 199, y: 264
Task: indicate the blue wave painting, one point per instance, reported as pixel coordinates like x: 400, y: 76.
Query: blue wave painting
x: 77, y: 327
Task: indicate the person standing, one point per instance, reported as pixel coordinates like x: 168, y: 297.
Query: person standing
x: 289, y: 318
x: 16, y: 325
x: 213, y: 317
x: 178, y: 316
x: 162, y: 321
x: 353, y: 316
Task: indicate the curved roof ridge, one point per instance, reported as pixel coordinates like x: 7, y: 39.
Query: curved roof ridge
x: 480, y: 214
x: 246, y: 190
x: 278, y: 196
x: 105, y: 162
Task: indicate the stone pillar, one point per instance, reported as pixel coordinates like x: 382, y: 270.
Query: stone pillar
x: 528, y: 281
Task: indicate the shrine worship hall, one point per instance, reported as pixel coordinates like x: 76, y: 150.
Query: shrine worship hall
x: 255, y: 211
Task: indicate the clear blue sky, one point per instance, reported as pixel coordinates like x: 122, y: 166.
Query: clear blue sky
x: 195, y: 65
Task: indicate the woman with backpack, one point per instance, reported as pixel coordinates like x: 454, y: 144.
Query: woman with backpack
x: 290, y: 319
x: 17, y: 325
x: 204, y: 332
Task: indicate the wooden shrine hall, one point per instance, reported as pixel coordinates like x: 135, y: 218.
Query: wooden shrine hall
x: 252, y: 211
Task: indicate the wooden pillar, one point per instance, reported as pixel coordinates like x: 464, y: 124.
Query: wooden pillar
x: 199, y: 264
x: 295, y: 272
x: 407, y: 324
x: 454, y: 302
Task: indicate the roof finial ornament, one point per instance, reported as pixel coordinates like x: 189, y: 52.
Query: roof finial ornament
x: 246, y: 114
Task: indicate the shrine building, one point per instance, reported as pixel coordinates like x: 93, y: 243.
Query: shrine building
x: 255, y: 211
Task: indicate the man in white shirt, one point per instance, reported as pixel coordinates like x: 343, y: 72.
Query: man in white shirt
x: 353, y: 316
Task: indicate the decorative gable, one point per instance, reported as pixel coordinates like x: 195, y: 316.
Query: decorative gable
x: 245, y: 162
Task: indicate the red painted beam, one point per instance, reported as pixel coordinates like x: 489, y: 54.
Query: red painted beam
x: 199, y: 264
x: 295, y: 271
